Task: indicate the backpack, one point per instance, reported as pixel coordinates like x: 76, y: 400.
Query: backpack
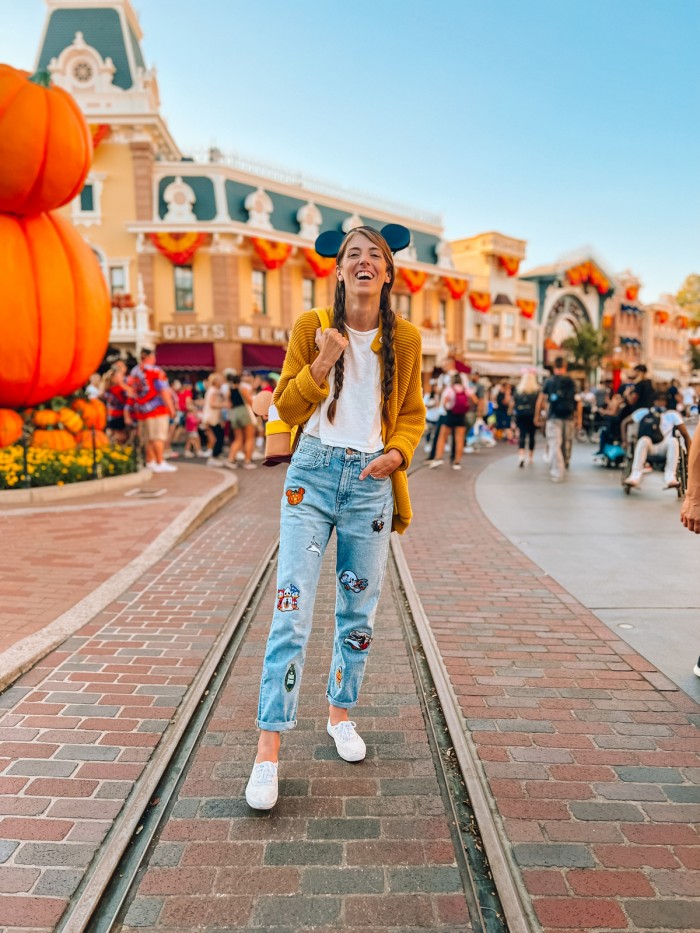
x: 561, y: 397
x: 650, y: 426
x: 460, y: 406
x: 525, y: 403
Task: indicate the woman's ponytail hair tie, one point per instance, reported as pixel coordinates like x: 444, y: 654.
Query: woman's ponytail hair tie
x: 396, y: 235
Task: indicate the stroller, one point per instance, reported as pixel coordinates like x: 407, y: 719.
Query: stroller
x: 656, y: 461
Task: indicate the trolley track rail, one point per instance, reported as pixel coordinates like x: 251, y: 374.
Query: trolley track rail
x: 493, y: 900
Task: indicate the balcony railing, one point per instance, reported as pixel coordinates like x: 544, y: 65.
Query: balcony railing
x: 131, y: 326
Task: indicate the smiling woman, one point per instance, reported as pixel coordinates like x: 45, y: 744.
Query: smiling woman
x: 356, y: 389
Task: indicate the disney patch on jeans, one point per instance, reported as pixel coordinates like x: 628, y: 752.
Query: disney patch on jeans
x: 358, y: 641
x: 288, y: 598
x: 290, y: 678
x: 314, y: 547
x: 377, y: 525
x: 339, y: 676
x: 352, y: 582
x: 294, y: 496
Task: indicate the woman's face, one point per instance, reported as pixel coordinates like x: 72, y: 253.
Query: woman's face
x: 363, y: 268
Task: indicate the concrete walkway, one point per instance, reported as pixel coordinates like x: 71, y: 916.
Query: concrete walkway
x: 626, y: 558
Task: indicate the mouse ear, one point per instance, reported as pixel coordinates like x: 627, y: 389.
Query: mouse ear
x: 397, y: 236
x: 328, y: 243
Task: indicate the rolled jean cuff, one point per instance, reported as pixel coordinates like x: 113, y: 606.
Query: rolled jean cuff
x: 340, y: 705
x: 276, y: 726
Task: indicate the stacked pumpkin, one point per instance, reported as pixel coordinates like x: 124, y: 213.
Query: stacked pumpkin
x: 80, y: 425
x: 55, y: 317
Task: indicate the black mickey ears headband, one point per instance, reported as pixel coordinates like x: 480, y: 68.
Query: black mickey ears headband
x: 397, y: 237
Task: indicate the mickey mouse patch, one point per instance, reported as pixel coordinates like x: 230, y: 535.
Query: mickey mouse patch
x: 295, y: 496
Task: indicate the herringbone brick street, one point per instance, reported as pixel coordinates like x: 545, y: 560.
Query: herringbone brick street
x: 588, y: 756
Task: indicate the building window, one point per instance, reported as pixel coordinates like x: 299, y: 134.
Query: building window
x: 477, y: 329
x: 117, y: 280
x: 87, y: 201
x: 307, y: 293
x: 403, y: 306
x: 508, y: 326
x: 86, y: 209
x: 259, y: 292
x: 184, y: 288
x: 524, y: 333
x: 442, y: 313
x: 496, y: 331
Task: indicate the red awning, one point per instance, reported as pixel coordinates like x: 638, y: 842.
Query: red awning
x: 263, y: 356
x: 186, y: 356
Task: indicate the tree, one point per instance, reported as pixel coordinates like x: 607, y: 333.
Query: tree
x: 688, y: 297
x: 694, y: 357
x: 587, y: 347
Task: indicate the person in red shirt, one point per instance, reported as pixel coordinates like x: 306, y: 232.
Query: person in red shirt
x: 153, y: 406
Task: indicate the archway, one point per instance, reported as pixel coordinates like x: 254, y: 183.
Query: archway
x: 566, y: 317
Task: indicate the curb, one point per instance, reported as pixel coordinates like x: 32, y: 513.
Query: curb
x: 25, y: 654
x: 43, y: 494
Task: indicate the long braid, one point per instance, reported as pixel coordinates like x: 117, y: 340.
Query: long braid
x: 339, y: 368
x: 388, y: 355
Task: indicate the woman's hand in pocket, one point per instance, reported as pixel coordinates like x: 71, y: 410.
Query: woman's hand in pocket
x: 382, y: 467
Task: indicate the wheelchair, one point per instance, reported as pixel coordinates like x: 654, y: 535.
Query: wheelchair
x: 656, y: 461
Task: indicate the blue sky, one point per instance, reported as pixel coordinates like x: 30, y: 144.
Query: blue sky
x: 563, y: 122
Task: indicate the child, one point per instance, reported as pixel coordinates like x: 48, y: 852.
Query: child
x: 193, y: 446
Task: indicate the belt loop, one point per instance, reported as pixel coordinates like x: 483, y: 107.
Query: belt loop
x: 364, y: 459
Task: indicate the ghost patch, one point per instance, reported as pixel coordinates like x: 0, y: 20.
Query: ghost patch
x: 352, y: 582
x: 290, y: 678
x: 288, y: 598
x: 358, y: 641
x: 314, y: 547
x: 339, y: 676
x: 377, y: 525
x: 294, y: 496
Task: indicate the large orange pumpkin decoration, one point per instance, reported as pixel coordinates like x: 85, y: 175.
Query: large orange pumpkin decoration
x: 45, y: 418
x: 70, y: 420
x: 11, y: 425
x: 58, y: 439
x: 93, y: 413
x: 45, y: 144
x: 55, y: 315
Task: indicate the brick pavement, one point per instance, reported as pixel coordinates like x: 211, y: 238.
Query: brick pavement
x: 79, y: 727
x: 592, y: 757
x: 62, y: 551
x: 348, y: 847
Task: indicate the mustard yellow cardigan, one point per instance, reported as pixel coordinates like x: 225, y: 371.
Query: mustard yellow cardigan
x: 297, y: 396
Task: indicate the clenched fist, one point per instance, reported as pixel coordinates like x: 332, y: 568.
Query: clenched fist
x: 331, y: 345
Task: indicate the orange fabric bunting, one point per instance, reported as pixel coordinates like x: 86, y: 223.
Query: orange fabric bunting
x: 480, y: 301
x: 527, y: 308
x: 178, y: 247
x: 321, y: 265
x: 99, y: 131
x: 662, y: 317
x: 682, y: 322
x: 456, y: 287
x: 414, y: 280
x: 607, y: 320
x: 587, y: 273
x: 632, y: 292
x: 273, y: 255
x: 511, y: 264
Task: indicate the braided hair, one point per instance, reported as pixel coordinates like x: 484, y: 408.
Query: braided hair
x: 388, y: 319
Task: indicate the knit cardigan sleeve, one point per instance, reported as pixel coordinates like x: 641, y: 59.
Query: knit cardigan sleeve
x: 297, y: 393
x: 410, y: 413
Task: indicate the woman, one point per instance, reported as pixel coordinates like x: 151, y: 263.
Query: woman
x: 242, y: 424
x: 455, y: 402
x: 524, y: 402
x: 503, y: 411
x: 356, y: 389
x: 116, y: 397
x: 211, y: 418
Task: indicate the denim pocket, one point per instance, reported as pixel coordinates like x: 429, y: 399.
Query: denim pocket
x: 307, y: 457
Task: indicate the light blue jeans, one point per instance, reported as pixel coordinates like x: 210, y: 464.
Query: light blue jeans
x: 323, y: 491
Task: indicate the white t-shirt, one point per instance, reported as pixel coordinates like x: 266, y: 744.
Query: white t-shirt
x: 358, y: 413
x: 669, y: 420
x: 689, y: 395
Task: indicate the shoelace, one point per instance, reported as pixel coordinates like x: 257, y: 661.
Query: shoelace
x: 265, y: 772
x: 345, y: 730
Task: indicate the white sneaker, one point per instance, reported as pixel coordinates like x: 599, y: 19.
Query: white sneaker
x: 348, y: 743
x: 230, y: 464
x: 634, y: 479
x: 152, y: 466
x: 456, y: 466
x: 204, y: 453
x: 166, y: 467
x: 262, y: 788
x: 189, y: 454
x: 250, y: 466
x: 434, y: 463
x: 257, y: 455
x: 696, y: 669
x: 215, y: 462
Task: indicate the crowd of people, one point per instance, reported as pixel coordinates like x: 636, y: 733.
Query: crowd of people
x: 200, y: 415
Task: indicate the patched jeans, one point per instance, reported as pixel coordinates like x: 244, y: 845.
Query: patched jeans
x: 323, y: 491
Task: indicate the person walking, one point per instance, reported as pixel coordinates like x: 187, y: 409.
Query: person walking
x: 558, y: 397
x: 242, y: 424
x: 355, y: 387
x: 455, y: 402
x: 524, y: 403
x: 152, y: 408
x: 211, y: 418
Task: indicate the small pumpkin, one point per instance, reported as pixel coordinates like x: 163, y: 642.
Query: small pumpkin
x: 55, y: 315
x: 45, y: 144
x: 56, y: 439
x: 70, y: 420
x: 84, y: 439
x: 45, y: 418
x: 93, y: 412
x: 11, y: 425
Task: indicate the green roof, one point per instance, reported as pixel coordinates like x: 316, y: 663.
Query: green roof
x: 101, y: 28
